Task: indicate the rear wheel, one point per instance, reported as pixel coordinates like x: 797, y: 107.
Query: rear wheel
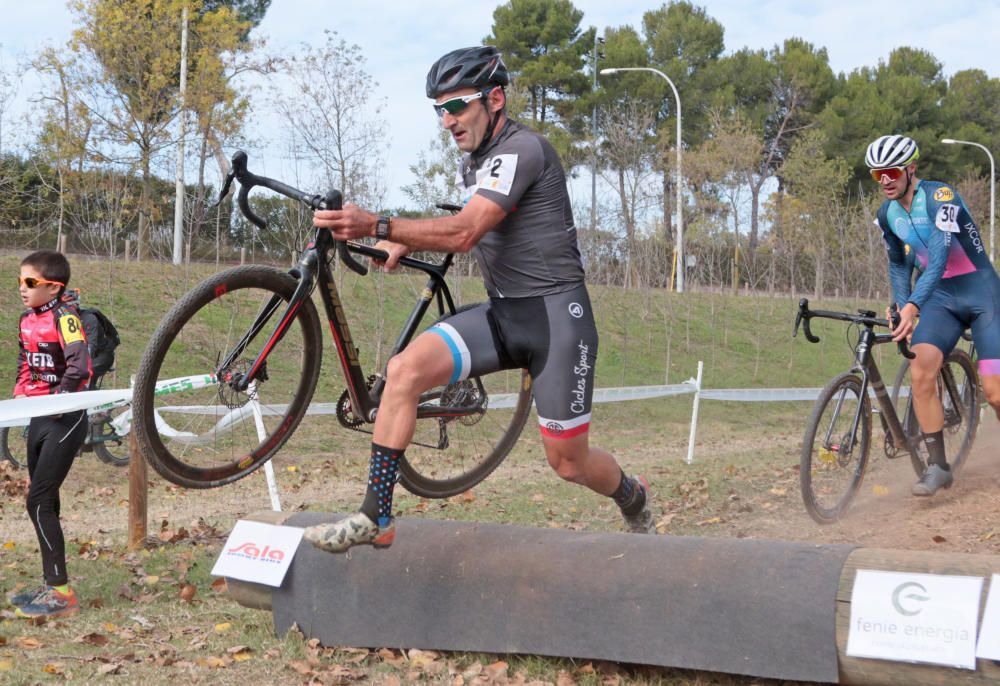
x: 12, y: 445
x: 450, y: 455
x: 109, y: 435
x: 958, y: 390
x: 193, y: 422
x: 835, y: 449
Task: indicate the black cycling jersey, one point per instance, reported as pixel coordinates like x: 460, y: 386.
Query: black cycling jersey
x: 533, y: 251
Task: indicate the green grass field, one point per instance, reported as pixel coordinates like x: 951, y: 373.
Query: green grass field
x: 136, y: 624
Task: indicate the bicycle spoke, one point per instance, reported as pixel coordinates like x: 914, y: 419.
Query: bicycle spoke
x: 208, y: 430
x: 835, y: 450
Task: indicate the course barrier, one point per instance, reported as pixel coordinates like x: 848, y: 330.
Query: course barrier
x: 769, y: 609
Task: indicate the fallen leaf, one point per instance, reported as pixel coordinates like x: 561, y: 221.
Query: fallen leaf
x: 109, y: 669
x: 878, y: 489
x: 94, y: 639
x: 27, y: 643
x: 187, y: 592
x: 473, y: 670
x: 219, y: 585
x: 564, y: 678
x: 496, y: 671
x: 53, y: 668
x: 421, y: 658
x: 223, y: 627
x: 241, y: 653
x: 389, y: 657
x: 939, y: 539
x: 301, y: 666
x: 6, y: 665
x: 778, y: 491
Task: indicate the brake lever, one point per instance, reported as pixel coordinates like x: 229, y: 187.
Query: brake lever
x: 334, y: 200
x: 803, y: 318
x: 894, y: 319
x: 225, y: 187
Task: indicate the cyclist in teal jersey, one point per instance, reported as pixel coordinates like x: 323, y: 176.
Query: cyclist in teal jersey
x: 928, y: 228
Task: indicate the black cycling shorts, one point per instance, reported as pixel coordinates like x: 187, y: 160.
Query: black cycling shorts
x: 552, y: 336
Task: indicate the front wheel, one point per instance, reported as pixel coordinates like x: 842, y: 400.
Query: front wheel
x: 835, y: 448
x: 958, y: 391
x: 13, y: 446
x: 450, y: 455
x: 194, y: 422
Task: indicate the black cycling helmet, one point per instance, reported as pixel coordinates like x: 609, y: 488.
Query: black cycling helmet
x: 476, y: 67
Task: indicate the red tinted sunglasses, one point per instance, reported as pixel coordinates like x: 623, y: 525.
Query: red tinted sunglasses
x: 891, y: 173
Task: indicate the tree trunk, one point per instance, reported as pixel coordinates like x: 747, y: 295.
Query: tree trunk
x: 142, y: 238
x: 668, y: 208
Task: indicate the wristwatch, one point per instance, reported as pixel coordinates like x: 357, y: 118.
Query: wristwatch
x: 382, y: 228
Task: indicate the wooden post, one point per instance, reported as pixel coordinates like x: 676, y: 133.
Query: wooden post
x: 128, y: 248
x: 243, y: 255
x: 137, y: 492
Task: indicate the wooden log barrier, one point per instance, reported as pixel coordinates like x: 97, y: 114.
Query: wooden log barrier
x: 769, y: 609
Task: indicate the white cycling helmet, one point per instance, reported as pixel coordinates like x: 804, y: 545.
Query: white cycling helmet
x: 891, y: 151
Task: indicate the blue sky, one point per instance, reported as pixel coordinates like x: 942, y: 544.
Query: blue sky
x: 401, y: 39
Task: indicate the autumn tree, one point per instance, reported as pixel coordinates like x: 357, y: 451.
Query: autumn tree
x: 134, y: 49
x: 816, y: 184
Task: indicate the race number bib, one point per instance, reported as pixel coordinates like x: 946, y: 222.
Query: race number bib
x: 947, y: 218
x: 71, y: 328
x: 497, y: 174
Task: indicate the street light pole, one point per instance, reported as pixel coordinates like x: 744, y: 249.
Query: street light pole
x: 993, y: 174
x: 678, y: 173
x: 593, y: 145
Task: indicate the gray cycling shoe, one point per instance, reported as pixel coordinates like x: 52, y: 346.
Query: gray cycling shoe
x: 358, y: 529
x: 935, y: 477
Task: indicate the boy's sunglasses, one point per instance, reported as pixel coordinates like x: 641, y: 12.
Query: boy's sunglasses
x: 32, y: 282
x: 891, y: 173
x: 457, y: 104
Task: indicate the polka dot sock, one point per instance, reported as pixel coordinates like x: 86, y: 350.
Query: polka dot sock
x: 381, y: 482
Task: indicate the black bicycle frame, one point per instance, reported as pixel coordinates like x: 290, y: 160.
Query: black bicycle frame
x: 864, y: 364
x: 313, y: 270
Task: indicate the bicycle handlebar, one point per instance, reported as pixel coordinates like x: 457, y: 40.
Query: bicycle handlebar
x: 333, y: 200
x: 863, y: 317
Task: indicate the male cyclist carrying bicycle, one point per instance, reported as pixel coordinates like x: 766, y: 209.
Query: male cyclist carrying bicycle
x: 518, y: 222
x: 927, y: 226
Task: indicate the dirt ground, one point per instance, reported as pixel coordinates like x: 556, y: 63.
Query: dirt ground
x: 964, y: 518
